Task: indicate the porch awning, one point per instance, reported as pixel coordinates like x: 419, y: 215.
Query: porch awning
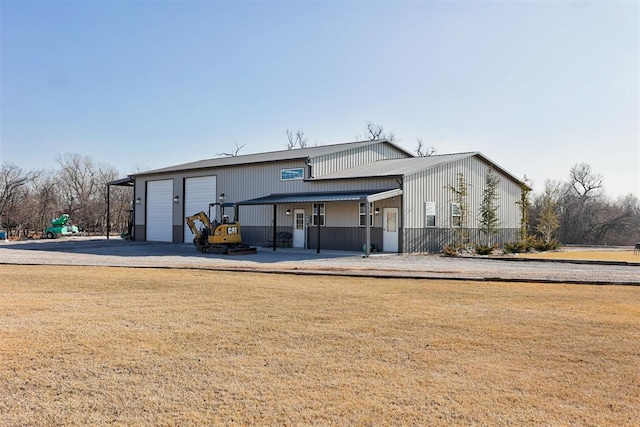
x: 323, y: 197
x: 123, y: 182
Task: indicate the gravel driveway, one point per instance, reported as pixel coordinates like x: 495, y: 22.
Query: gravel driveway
x: 117, y: 252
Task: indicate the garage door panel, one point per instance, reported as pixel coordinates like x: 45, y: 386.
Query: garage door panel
x: 159, y: 211
x: 198, y: 193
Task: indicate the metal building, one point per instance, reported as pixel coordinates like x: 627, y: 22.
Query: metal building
x: 339, y: 196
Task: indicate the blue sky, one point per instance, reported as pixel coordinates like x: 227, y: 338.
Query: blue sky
x: 536, y: 86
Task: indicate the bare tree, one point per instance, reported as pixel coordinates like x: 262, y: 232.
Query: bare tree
x: 375, y: 132
x: 548, y: 212
x: 104, y: 175
x: 421, y: 151
x: 13, y: 183
x: 121, y: 199
x: 581, y: 201
x: 78, y: 185
x: 584, y: 181
x: 617, y: 222
x: 297, y: 140
x: 233, y: 153
x: 46, y: 197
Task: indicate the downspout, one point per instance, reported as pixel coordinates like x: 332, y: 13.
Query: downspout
x: 309, y: 166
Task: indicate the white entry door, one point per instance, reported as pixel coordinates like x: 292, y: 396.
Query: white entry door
x: 298, y: 228
x: 390, y: 230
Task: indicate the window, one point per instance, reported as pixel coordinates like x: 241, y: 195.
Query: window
x: 315, y: 213
x: 291, y: 174
x: 430, y: 214
x: 456, y: 215
x: 299, y: 220
x: 363, y: 214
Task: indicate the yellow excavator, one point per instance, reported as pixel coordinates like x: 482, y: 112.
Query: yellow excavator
x: 219, y: 237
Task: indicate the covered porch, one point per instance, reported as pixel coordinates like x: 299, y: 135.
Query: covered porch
x: 314, y: 226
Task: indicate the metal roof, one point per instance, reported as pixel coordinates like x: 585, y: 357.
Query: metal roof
x: 320, y: 197
x: 408, y: 166
x: 272, y: 156
x: 393, y: 167
x: 123, y: 182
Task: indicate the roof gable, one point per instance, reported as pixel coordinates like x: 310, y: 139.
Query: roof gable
x: 409, y: 166
x: 395, y: 167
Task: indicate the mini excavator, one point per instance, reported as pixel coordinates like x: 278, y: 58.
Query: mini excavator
x: 219, y: 237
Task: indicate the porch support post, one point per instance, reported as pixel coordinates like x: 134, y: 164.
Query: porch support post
x: 275, y: 233
x: 133, y: 213
x: 108, y: 210
x: 318, y: 228
x: 367, y: 213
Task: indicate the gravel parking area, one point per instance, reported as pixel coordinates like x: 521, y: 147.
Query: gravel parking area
x: 99, y: 251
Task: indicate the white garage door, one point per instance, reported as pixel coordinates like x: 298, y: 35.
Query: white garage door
x: 198, y: 193
x: 160, y: 211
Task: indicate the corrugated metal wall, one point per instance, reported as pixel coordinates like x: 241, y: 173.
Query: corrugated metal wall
x: 432, y: 186
x: 347, y: 159
x: 245, y: 182
x: 338, y: 238
x: 432, y: 240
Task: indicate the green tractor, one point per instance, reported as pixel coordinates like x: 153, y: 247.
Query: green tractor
x: 60, y: 227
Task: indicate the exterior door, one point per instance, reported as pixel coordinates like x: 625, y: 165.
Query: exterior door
x: 298, y: 228
x: 390, y: 230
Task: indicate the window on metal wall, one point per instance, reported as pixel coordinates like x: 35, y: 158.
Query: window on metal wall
x: 291, y: 174
x: 363, y: 214
x: 430, y: 214
x: 315, y: 213
x: 456, y: 215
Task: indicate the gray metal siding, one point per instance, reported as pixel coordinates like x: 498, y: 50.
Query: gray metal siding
x: 140, y: 192
x: 246, y: 182
x: 249, y: 182
x: 272, y: 156
x: 336, y: 238
x: 432, y: 186
x: 432, y: 240
x: 347, y: 159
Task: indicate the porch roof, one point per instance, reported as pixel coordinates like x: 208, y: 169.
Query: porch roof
x: 322, y: 197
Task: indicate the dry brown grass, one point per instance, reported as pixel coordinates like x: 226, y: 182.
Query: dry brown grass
x: 626, y: 255
x: 169, y: 347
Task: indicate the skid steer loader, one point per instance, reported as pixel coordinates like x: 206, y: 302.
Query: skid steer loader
x: 219, y: 237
